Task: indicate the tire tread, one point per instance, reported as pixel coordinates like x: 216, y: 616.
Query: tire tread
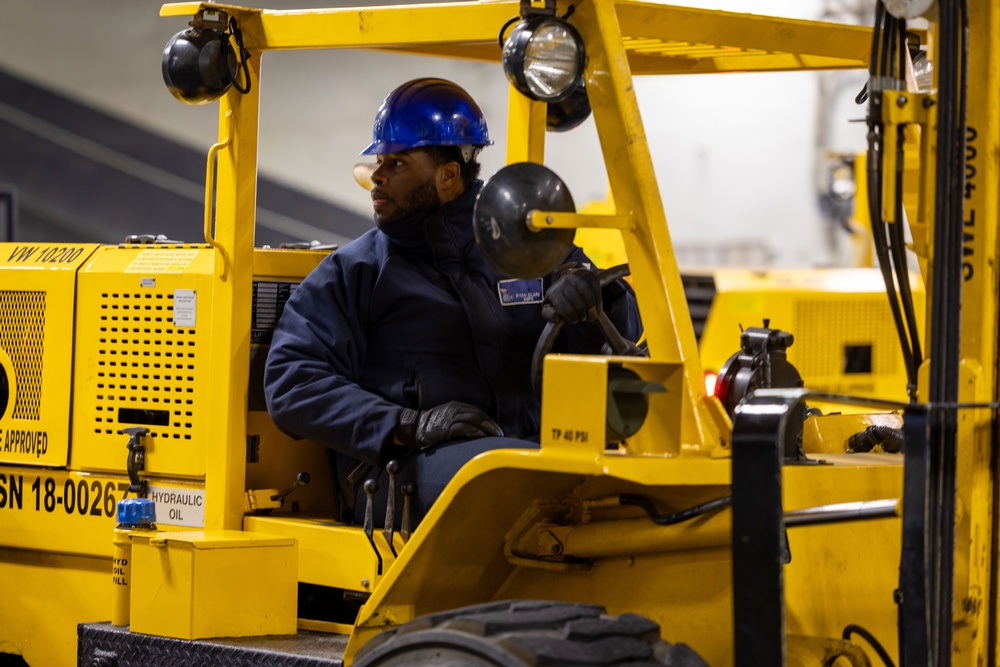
x: 535, y: 633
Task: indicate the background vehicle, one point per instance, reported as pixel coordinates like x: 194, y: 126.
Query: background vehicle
x: 167, y: 337
x: 845, y: 338
x: 842, y: 324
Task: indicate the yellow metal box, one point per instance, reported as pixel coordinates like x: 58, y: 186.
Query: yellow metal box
x: 226, y: 583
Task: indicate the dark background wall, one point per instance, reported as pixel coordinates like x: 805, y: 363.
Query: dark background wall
x: 72, y: 173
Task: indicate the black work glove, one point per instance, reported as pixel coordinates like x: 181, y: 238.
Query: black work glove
x: 450, y: 421
x: 574, y: 297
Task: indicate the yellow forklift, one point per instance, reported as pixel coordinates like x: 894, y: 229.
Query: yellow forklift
x: 151, y: 513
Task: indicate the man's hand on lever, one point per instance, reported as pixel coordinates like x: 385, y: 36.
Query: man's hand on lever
x: 421, y: 429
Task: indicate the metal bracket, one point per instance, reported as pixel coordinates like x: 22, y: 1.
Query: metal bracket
x: 136, y: 459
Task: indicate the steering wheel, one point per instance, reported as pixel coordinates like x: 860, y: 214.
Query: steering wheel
x: 619, y: 345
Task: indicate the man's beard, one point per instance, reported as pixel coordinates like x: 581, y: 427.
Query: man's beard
x: 422, y: 200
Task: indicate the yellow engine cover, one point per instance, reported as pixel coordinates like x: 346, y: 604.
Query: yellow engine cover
x: 37, y: 298
x: 143, y: 321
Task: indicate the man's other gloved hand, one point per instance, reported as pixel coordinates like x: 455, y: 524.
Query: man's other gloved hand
x: 450, y: 421
x: 574, y: 297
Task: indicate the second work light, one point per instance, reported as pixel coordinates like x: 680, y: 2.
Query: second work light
x: 544, y: 58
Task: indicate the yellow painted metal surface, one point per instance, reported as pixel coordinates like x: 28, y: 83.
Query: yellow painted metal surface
x: 576, y: 422
x: 975, y: 615
x: 845, y: 573
x: 570, y: 421
x: 539, y: 220
x: 45, y: 596
x: 235, y: 206
x: 45, y: 515
x: 213, y: 584
x: 659, y: 39
x: 283, y: 264
x: 678, y: 40
x: 667, y: 458
x: 525, y: 129
x: 121, y: 571
x: 508, y: 482
x: 916, y: 112
x: 630, y: 171
x: 145, y: 317
x: 918, y: 197
x: 329, y: 553
x: 829, y: 434
x: 548, y: 523
x: 613, y: 555
x: 274, y: 460
x: 688, y: 593
x: 541, y: 536
x: 826, y: 311
x: 121, y: 577
x: 59, y: 511
x: 37, y: 302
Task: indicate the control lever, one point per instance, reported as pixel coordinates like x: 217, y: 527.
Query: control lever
x: 390, y: 504
x: 404, y: 529
x: 264, y: 501
x: 300, y: 480
x: 370, y: 487
x: 136, y: 459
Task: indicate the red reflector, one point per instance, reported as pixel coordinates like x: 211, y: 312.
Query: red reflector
x: 710, y: 379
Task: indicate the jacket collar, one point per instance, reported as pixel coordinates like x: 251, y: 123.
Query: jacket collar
x: 449, y: 226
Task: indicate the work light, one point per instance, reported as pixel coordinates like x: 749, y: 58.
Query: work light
x: 544, y: 58
x: 199, y: 64
x: 570, y: 112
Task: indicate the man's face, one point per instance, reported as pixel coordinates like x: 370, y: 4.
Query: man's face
x: 405, y: 185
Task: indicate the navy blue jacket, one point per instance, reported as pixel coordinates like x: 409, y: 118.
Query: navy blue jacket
x: 410, y: 316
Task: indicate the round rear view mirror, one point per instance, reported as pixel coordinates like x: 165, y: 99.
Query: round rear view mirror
x: 502, y: 210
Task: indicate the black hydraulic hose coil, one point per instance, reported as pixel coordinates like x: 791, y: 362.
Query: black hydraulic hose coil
x: 890, y: 438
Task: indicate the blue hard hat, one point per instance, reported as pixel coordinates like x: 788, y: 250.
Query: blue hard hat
x: 427, y: 112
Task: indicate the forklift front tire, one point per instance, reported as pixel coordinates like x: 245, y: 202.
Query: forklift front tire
x: 526, y: 632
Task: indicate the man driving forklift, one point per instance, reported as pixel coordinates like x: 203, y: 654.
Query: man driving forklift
x: 406, y: 344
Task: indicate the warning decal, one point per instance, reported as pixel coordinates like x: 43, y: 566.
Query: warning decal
x: 161, y: 261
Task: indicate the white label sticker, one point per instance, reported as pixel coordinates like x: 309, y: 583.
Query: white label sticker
x: 147, y: 282
x: 178, y: 507
x: 185, y: 306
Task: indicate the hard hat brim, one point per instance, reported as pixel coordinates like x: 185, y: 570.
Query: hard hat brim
x: 385, y: 147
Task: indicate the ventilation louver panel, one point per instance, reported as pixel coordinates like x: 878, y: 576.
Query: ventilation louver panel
x: 700, y: 293
x: 22, y: 337
x: 856, y: 322
x: 147, y: 367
